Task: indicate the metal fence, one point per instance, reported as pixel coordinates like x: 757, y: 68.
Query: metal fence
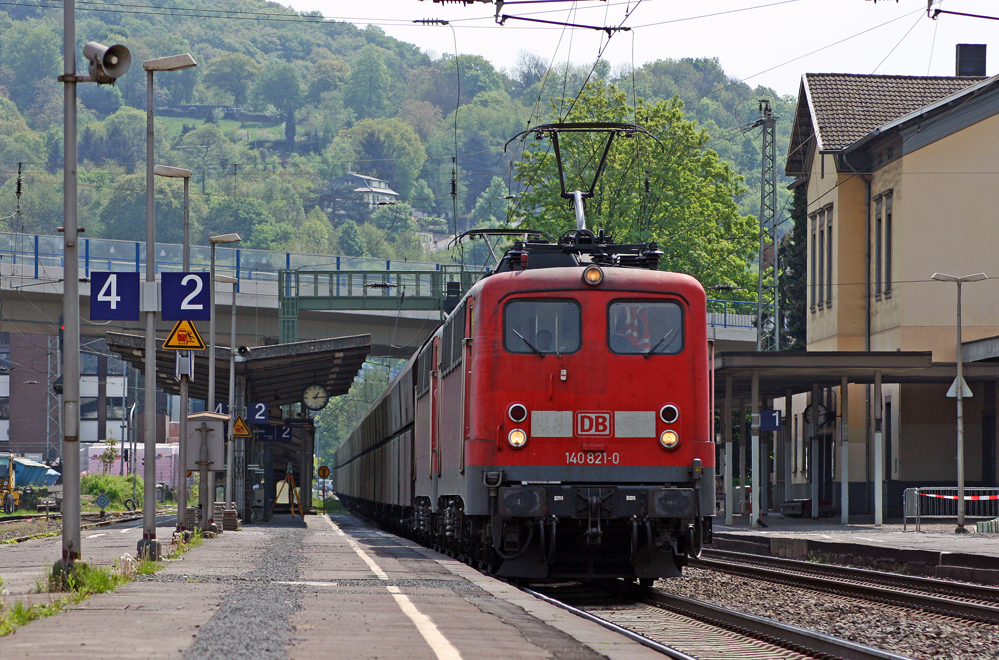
x: 922, y: 503
x: 31, y: 253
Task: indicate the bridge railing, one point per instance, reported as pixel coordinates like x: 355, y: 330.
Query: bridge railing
x: 732, y: 313
x: 34, y: 253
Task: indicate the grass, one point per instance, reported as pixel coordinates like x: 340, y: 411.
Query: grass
x: 117, y: 488
x: 81, y: 583
x: 817, y: 558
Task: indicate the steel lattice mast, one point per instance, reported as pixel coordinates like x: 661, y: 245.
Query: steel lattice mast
x: 768, y: 320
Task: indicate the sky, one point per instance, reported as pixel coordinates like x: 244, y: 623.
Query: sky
x: 762, y: 42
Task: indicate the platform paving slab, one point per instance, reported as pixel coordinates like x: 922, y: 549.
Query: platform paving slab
x: 305, y: 589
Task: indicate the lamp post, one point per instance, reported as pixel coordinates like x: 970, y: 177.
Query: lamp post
x: 232, y: 386
x: 207, y: 504
x: 182, y: 356
x: 959, y: 391
x: 149, y: 546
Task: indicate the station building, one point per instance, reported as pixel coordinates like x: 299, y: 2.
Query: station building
x: 901, y: 176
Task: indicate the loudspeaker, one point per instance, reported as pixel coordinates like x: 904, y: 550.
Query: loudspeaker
x: 107, y: 63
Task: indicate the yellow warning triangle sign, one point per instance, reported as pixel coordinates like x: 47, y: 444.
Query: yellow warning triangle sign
x: 240, y: 429
x: 184, y: 337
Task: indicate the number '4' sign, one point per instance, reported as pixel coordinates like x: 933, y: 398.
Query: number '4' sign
x: 114, y: 296
x: 186, y: 297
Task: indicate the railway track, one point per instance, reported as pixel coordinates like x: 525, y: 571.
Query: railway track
x: 954, y: 599
x: 685, y: 629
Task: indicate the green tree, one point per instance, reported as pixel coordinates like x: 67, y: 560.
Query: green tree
x: 349, y: 240
x: 242, y: 215
x: 123, y: 211
x: 368, y: 85
x: 31, y: 52
x: 325, y: 76
x: 231, y: 74
x: 793, y: 283
x: 390, y: 150
x: 280, y: 84
x: 490, y: 208
x: 689, y: 209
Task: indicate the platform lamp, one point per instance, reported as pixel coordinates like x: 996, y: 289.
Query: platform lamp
x: 169, y: 172
x: 208, y: 504
x: 959, y: 392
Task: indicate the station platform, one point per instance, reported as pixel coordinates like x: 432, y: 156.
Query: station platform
x: 323, y: 587
x: 934, y: 551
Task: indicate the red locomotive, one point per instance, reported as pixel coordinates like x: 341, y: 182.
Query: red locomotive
x: 558, y: 424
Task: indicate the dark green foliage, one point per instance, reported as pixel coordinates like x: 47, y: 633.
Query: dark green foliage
x: 793, y: 284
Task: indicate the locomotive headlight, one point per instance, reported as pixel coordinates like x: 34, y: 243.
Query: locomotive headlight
x: 593, y: 276
x: 669, y: 439
x: 517, y: 413
x: 517, y: 438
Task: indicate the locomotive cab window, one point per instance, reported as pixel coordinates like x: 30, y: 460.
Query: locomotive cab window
x: 541, y: 326
x: 645, y: 327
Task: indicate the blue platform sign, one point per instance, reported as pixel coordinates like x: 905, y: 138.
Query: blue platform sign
x: 769, y: 420
x: 221, y: 408
x: 186, y: 297
x: 257, y: 413
x: 114, y: 296
x: 276, y: 433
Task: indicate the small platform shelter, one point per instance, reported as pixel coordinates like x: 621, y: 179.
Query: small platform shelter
x: 275, y: 376
x: 840, y: 394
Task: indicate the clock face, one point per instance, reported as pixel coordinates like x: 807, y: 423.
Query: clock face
x: 820, y: 413
x: 315, y: 397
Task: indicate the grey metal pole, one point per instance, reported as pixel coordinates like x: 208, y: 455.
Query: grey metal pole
x: 759, y: 478
x: 149, y: 546
x: 229, y: 462
x: 959, y: 388
x: 70, y: 305
x: 211, y: 336
x: 184, y: 390
x: 844, y: 437
x: 205, y: 484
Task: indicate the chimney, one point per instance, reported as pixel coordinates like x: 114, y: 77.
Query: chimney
x: 970, y: 60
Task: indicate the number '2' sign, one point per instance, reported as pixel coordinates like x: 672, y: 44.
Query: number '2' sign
x: 114, y: 296
x: 257, y: 413
x: 186, y: 297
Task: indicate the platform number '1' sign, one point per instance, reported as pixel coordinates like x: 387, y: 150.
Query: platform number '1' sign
x: 186, y: 297
x: 114, y: 296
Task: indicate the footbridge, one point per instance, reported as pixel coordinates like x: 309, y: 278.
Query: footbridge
x: 279, y: 297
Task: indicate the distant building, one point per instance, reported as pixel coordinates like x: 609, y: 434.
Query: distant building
x: 373, y: 191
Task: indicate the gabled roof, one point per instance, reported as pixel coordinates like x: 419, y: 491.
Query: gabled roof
x: 837, y: 109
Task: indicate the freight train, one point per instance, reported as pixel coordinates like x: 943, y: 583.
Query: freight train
x: 557, y: 425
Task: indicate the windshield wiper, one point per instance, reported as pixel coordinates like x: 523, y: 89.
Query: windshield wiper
x: 529, y: 344
x: 658, y: 343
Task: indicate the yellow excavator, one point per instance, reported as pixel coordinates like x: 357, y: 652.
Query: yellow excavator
x: 9, y: 497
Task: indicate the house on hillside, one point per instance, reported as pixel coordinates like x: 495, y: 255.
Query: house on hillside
x: 373, y: 191
x: 902, y: 180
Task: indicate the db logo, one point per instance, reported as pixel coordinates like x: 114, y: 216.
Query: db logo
x: 593, y: 423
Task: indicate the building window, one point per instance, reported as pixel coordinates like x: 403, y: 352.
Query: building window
x: 88, y: 364
x: 4, y: 361
x: 88, y: 407
x: 4, y: 407
x: 887, y: 239
x: 878, y: 206
x: 115, y: 407
x: 829, y: 258
x: 822, y: 257
x: 812, y: 271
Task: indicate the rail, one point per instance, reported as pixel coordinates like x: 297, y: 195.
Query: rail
x: 920, y: 503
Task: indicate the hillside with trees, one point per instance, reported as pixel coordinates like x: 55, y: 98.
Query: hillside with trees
x: 281, y: 103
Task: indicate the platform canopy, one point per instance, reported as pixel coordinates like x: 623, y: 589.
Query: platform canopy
x: 276, y: 374
x: 798, y: 371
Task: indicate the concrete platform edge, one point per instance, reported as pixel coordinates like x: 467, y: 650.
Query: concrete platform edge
x: 930, y: 563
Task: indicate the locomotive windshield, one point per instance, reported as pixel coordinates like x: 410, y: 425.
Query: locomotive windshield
x: 541, y: 326
x: 644, y: 327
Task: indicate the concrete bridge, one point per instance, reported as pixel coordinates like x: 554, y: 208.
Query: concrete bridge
x: 31, y: 294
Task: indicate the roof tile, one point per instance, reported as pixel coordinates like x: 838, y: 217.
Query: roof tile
x: 846, y: 107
